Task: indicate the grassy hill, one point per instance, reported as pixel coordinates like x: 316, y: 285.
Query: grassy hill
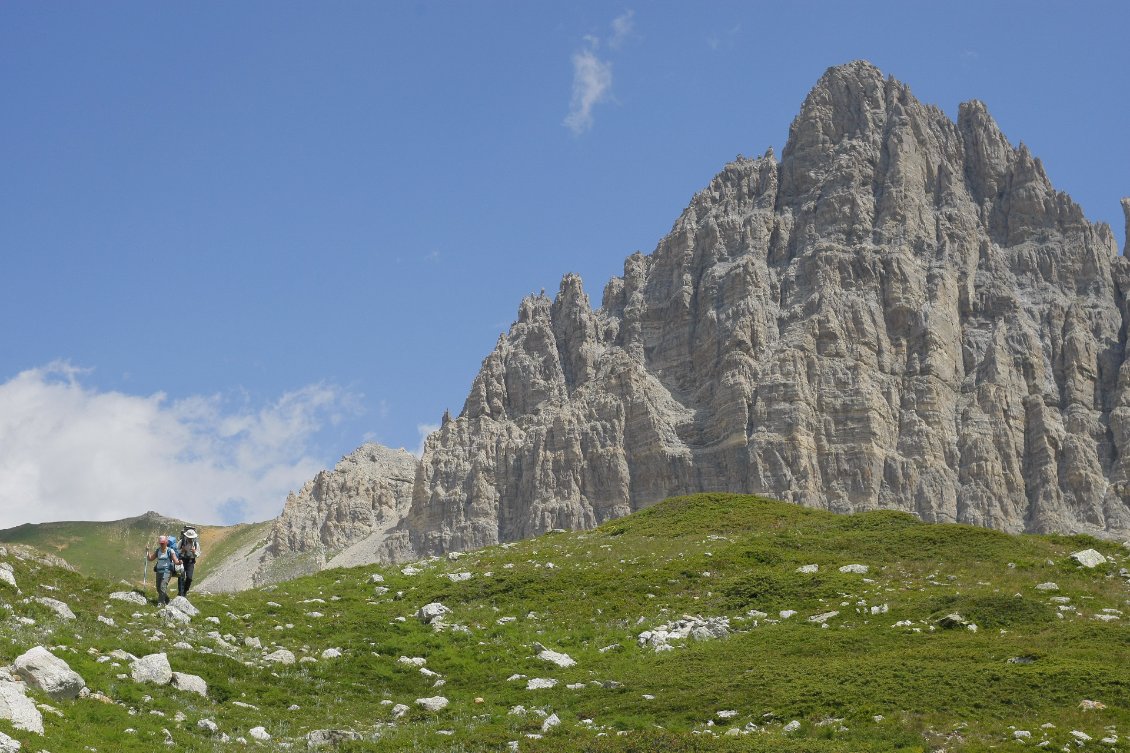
x: 115, y: 550
x: 880, y: 674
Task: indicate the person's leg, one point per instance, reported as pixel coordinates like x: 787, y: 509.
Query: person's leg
x: 186, y: 577
x: 162, y: 589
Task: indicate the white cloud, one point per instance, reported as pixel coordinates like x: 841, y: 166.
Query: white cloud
x: 424, y: 430
x: 72, y: 452
x: 592, y: 82
x: 622, y: 27
x: 592, y: 76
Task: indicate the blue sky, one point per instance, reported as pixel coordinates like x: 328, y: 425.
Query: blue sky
x: 239, y: 239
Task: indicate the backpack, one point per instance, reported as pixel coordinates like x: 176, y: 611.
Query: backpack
x: 174, y: 544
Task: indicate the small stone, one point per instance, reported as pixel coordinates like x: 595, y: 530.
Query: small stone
x: 281, y: 656
x: 792, y: 726
x: 857, y: 569
x: 56, y: 606
x: 1049, y: 586
x: 259, y: 733
x: 130, y: 597
x: 808, y: 569
x: 435, y: 703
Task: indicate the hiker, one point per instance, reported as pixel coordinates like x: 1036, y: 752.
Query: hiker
x: 167, y: 561
x: 189, y: 551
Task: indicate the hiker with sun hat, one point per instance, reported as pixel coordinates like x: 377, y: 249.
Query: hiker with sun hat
x: 189, y: 551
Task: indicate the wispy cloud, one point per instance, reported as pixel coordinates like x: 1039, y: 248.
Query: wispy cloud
x: 592, y: 74
x: 622, y: 27
x: 592, y: 82
x: 69, y: 451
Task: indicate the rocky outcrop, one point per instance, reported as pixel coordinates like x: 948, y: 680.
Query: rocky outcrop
x: 337, y: 519
x: 901, y: 312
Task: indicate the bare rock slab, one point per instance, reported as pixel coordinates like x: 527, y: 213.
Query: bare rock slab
x: 18, y: 709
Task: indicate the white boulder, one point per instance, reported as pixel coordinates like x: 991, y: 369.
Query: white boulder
x: 7, y: 744
x: 1089, y: 558
x: 190, y: 683
x: 430, y: 613
x: 435, y: 703
x: 857, y: 569
x: 153, y: 668
x: 259, y: 733
x: 47, y: 672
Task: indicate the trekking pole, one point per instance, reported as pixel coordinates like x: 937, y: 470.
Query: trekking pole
x: 144, y: 567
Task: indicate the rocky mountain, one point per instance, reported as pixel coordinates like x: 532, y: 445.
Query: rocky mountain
x: 900, y: 312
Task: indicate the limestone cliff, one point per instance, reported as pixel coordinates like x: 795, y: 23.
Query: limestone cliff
x: 901, y: 312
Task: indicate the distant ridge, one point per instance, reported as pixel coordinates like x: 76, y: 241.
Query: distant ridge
x: 115, y: 549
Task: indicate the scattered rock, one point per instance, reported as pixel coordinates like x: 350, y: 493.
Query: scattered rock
x: 130, y: 597
x: 1089, y: 558
x: 1049, y: 586
x: 953, y: 620
x: 7, y: 744
x: 190, y: 683
x: 808, y: 569
x: 433, y: 612
x: 399, y: 710
x: 1088, y: 705
x: 540, y: 683
x: 561, y: 660
x: 259, y: 733
x: 184, y: 606
x: 321, y: 738
x: 281, y: 656
x: 17, y: 708
x: 550, y: 722
x: 792, y: 726
x: 153, y: 668
x: 331, y: 653
x: 435, y: 703
x: 7, y: 575
x: 47, y: 672
x: 823, y: 617
x: 857, y: 569
x: 56, y: 606
x: 688, y: 626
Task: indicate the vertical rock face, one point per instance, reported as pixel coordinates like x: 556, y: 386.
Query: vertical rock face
x: 901, y: 312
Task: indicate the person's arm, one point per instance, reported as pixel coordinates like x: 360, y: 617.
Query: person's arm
x: 176, y: 559
x: 150, y: 555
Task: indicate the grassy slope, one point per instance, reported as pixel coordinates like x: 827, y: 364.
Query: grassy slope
x: 709, y: 555
x: 115, y: 550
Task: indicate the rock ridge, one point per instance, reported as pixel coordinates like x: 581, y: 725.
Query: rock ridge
x: 901, y: 312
